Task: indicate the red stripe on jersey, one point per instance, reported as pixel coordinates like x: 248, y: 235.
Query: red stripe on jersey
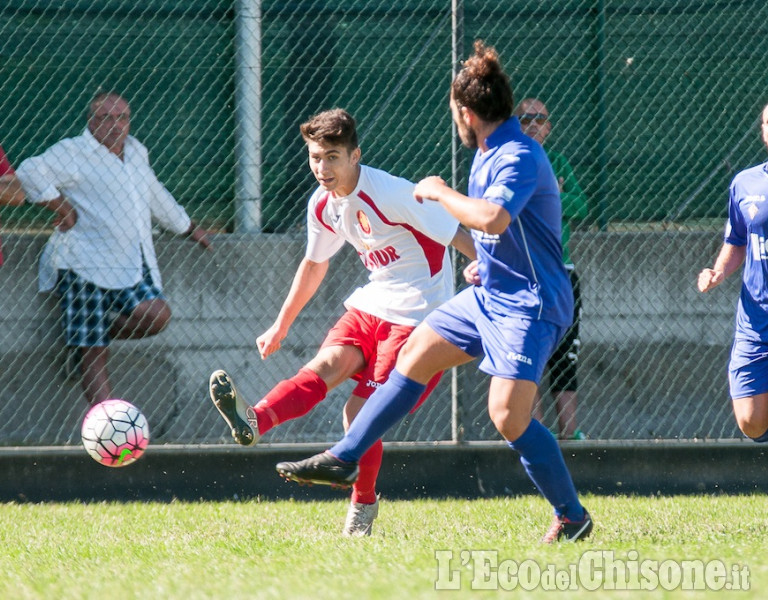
x: 319, y: 211
x: 433, y: 251
x: 5, y: 165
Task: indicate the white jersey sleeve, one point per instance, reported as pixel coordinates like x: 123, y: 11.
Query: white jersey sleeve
x: 322, y: 240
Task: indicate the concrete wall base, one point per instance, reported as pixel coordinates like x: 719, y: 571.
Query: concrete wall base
x: 221, y: 472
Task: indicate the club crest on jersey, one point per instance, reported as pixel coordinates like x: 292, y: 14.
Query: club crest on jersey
x: 365, y: 224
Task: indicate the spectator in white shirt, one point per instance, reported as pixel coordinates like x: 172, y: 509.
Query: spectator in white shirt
x: 101, y: 258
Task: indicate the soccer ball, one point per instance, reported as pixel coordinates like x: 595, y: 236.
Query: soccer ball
x: 115, y: 433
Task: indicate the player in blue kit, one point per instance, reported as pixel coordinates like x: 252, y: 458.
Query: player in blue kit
x: 514, y: 315
x: 746, y: 232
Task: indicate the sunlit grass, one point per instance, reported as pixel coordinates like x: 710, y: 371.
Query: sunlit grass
x: 287, y: 549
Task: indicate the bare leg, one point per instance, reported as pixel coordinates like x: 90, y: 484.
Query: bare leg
x: 752, y: 415
x: 95, y: 381
x: 566, y: 402
x: 351, y: 408
x: 336, y: 364
x: 148, y: 318
x: 425, y: 353
x: 296, y: 396
x: 510, y: 403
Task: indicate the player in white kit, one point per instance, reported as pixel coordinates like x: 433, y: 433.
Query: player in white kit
x: 403, y: 245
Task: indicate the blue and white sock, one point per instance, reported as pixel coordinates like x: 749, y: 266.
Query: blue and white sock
x: 386, y: 406
x: 544, y: 463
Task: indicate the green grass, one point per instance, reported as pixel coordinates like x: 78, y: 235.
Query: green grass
x: 259, y: 549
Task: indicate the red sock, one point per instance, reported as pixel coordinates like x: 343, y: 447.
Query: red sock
x: 289, y: 399
x: 364, y: 489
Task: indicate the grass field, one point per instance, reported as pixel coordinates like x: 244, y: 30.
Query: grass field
x: 254, y: 549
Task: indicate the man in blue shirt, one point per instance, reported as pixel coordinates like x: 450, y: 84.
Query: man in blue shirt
x: 745, y: 242
x: 514, y: 315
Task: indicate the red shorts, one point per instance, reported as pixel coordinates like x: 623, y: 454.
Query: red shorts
x: 379, y: 341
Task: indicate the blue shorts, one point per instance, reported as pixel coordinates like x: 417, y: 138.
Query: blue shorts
x: 88, y: 310
x: 748, y: 368
x: 515, y: 347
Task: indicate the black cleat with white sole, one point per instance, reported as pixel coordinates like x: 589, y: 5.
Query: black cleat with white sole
x: 324, y: 469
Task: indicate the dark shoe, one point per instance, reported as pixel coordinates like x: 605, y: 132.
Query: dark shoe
x: 562, y: 529
x: 238, y: 415
x: 324, y: 469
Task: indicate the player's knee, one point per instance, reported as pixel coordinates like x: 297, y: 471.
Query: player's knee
x: 509, y: 427
x: 158, y: 319
x: 165, y: 315
x: 752, y: 417
x: 754, y: 429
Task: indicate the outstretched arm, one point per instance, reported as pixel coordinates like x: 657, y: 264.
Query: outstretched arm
x: 475, y: 213
x: 729, y: 259
x: 307, y: 280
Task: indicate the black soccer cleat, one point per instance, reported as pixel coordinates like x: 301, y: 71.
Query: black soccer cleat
x: 565, y: 530
x: 324, y: 469
x: 238, y: 415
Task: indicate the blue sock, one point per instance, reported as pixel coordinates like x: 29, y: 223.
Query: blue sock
x: 543, y: 461
x: 386, y: 406
x: 762, y: 439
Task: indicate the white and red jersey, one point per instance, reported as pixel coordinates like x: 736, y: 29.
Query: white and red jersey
x: 401, y: 242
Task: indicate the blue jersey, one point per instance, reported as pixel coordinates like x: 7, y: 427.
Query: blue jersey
x: 748, y: 226
x: 521, y: 270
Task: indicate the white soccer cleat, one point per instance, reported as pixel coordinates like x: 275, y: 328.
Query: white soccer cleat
x: 360, y: 519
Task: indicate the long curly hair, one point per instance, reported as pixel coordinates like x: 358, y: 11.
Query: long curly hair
x: 482, y: 85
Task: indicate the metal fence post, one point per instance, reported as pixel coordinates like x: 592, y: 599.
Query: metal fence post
x: 248, y: 116
x: 602, y: 134
x: 457, y: 52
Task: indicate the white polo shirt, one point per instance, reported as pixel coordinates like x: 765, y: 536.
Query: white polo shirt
x: 116, y: 202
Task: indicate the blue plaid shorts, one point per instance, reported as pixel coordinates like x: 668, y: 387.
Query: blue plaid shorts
x: 88, y: 310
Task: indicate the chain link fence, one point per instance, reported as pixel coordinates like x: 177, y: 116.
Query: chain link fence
x: 655, y: 104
